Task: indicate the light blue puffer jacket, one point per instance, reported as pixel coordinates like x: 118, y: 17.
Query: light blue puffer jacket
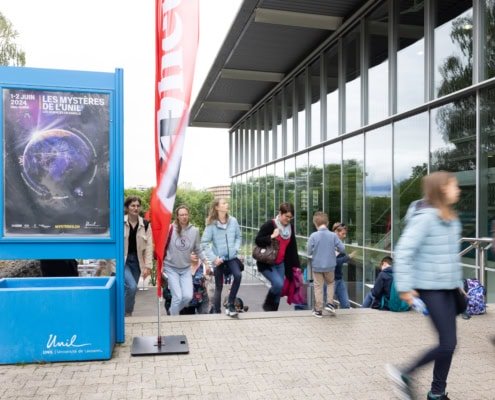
x: 427, y: 254
x: 221, y: 241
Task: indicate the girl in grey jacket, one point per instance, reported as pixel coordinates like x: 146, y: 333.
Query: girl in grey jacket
x: 220, y: 243
x: 427, y: 264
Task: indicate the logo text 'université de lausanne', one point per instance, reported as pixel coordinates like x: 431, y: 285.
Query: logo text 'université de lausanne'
x: 53, y: 343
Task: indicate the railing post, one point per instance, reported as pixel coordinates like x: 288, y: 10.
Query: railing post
x: 310, y: 288
x: 481, y: 271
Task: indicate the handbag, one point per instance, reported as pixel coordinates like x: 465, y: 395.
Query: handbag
x: 268, y: 254
x: 461, y: 301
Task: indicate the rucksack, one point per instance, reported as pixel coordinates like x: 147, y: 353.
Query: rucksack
x: 146, y: 224
x: 394, y: 303
x: 476, y: 296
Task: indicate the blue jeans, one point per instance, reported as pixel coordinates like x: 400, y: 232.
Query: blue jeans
x: 181, y: 286
x: 275, y: 274
x: 368, y: 301
x: 131, y: 279
x: 341, y: 294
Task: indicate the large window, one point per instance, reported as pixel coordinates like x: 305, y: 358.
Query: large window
x: 279, y: 183
x: 378, y: 188
x: 410, y: 55
x: 315, y: 79
x: 453, y: 69
x: 290, y: 180
x: 453, y: 148
x: 278, y: 124
x: 487, y: 35
x: 352, y: 80
x: 410, y: 165
x: 333, y: 170
x: 353, y: 171
x: 301, y: 111
x: 289, y: 106
x: 301, y: 205
x: 249, y: 199
x: 263, y: 215
x: 332, y: 67
x: 315, y: 180
x: 270, y: 191
x: 377, y: 24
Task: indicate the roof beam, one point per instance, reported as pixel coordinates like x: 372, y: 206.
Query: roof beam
x: 199, y: 124
x: 247, y: 75
x: 303, y: 20
x: 219, y: 105
x: 414, y: 32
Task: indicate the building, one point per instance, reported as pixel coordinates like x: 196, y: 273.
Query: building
x: 220, y: 192
x: 344, y: 105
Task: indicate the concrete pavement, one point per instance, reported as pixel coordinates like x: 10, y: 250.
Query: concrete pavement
x: 283, y: 355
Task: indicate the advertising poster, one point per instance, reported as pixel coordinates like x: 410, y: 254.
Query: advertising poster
x: 56, y: 163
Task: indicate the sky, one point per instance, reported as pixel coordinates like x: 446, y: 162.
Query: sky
x: 95, y: 35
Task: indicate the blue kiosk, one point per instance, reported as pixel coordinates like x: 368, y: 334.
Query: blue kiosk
x: 61, y: 187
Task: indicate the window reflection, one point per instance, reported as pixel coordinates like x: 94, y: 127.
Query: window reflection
x: 314, y: 79
x: 378, y: 64
x: 301, y: 206
x: 289, y: 104
x: 410, y: 165
x: 249, y: 199
x: 269, y: 128
x: 315, y: 179
x: 489, y: 27
x: 290, y: 180
x: 378, y: 188
x: 301, y: 112
x: 410, y: 55
x: 270, y: 191
x: 279, y: 183
x: 453, y: 46
x: 263, y: 215
x: 278, y: 122
x: 333, y: 159
x: 352, y: 188
x: 453, y: 148
x: 332, y: 67
x: 353, y: 81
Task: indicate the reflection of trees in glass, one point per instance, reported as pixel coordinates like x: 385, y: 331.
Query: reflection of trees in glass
x: 10, y: 53
x: 409, y: 189
x: 333, y: 190
x: 315, y: 192
x: 353, y: 199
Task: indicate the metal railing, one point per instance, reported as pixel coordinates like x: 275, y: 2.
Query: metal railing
x: 480, y: 245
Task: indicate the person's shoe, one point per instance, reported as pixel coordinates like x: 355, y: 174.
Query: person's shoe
x: 330, y: 308
x: 231, y: 311
x: 317, y: 314
x: 432, y: 396
x: 401, y: 382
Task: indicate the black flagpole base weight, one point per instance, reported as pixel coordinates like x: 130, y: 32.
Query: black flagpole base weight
x: 148, y: 345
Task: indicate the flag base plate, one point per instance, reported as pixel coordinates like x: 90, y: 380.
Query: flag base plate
x: 148, y: 345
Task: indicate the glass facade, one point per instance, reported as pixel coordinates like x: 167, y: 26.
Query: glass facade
x: 353, y: 132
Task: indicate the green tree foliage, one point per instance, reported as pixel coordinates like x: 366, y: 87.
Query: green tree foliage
x: 198, y: 202
x: 10, y: 53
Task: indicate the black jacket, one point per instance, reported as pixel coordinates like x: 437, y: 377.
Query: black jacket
x: 382, y: 286
x: 291, y: 259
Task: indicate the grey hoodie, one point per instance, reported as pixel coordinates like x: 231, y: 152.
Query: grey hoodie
x: 181, y: 246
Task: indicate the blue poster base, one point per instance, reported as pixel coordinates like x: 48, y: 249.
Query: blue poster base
x: 57, y: 319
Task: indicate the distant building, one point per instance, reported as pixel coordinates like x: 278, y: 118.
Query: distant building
x: 222, y: 191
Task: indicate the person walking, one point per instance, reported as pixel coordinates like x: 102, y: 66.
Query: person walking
x: 221, y: 242
x: 427, y: 265
x: 184, y: 241
x: 283, y: 231
x: 138, y: 250
x: 321, y: 246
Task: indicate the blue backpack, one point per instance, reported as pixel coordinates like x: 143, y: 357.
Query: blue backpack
x: 476, y: 296
x: 394, y: 303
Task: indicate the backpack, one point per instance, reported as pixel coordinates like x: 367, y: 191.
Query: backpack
x: 476, y: 296
x: 394, y: 303
x: 146, y: 224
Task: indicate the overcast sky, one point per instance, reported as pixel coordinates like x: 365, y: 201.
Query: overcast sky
x: 95, y: 35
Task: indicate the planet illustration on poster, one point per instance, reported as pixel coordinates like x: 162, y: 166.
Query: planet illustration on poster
x: 59, y: 164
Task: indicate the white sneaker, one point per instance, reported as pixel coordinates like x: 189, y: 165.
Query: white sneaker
x: 330, y: 308
x: 401, y: 382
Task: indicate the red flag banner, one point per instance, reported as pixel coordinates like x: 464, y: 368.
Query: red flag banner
x: 177, y: 26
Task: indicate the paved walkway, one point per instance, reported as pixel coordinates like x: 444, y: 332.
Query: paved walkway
x: 284, y: 355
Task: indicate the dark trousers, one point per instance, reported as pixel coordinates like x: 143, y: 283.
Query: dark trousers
x: 228, y: 267
x: 442, y: 307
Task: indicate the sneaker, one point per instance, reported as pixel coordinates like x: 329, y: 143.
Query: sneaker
x: 231, y: 311
x: 432, y: 396
x: 401, y: 382
x: 317, y: 314
x: 330, y: 308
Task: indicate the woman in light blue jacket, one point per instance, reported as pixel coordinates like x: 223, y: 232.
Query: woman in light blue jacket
x: 220, y: 243
x: 427, y: 265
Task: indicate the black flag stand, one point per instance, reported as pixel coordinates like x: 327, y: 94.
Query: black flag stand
x: 159, y: 345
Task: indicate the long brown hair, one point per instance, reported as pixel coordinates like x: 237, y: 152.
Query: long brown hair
x: 176, y: 222
x: 213, y: 213
x: 433, y: 191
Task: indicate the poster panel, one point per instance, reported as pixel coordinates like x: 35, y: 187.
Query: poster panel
x: 56, y: 163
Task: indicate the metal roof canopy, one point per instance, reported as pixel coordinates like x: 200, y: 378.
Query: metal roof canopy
x: 267, y: 40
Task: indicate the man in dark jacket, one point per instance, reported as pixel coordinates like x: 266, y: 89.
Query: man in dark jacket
x: 382, y: 285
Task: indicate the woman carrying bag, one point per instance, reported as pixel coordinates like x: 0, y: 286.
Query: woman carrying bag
x: 282, y: 230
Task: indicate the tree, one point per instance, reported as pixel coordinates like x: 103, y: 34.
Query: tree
x: 10, y: 53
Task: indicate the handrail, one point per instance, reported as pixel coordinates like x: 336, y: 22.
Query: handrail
x: 480, y: 245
